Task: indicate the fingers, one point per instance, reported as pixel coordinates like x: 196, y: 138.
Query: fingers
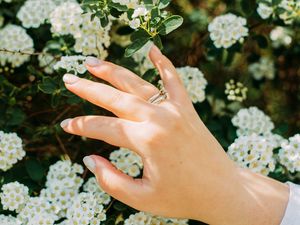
x: 112, y: 130
x: 169, y: 75
x: 120, y: 103
x: 121, y: 78
x: 117, y: 184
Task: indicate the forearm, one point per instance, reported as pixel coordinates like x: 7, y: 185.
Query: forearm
x: 247, y: 198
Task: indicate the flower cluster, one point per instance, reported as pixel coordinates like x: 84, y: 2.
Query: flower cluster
x: 127, y: 161
x: 142, y: 218
x: 71, y: 64
x: 226, y: 30
x: 289, y: 154
x: 281, y: 36
x: 11, y: 150
x: 286, y: 10
x: 62, y: 184
x: 235, y: 91
x: 252, y: 120
x: 92, y: 186
x: 34, y: 13
x: 90, y: 37
x: 47, y: 62
x: 254, y: 152
x: 263, y: 69
x: 194, y: 81
x: 14, y: 196
x: 15, y: 39
x: 86, y: 209
x: 9, y: 220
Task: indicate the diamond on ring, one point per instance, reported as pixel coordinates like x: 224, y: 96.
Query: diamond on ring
x: 159, y: 97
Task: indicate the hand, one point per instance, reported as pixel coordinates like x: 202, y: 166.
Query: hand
x: 186, y: 172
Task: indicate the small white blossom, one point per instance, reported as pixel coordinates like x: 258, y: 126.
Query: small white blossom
x: 263, y: 69
x: 281, y: 36
x: 135, y: 23
x: 289, y: 154
x: 194, y: 82
x: 15, y: 39
x: 73, y: 63
x: 140, y: 11
x: 227, y: 29
x: 264, y: 10
x: 254, y: 152
x: 11, y: 150
x: 127, y: 161
x: 14, y: 196
x: 236, y: 91
x: 252, y: 120
x: 47, y: 62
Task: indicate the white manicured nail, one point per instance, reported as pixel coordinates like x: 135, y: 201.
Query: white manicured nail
x: 89, y: 163
x: 70, y: 78
x: 65, y: 123
x: 92, y: 61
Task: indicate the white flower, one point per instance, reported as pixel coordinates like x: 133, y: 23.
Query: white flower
x: 142, y: 218
x: 34, y: 13
x: 135, y: 23
x: 9, y: 220
x: 264, y: 10
x: 289, y: 10
x: 194, y: 81
x: 73, y: 63
x: 14, y: 196
x: 263, y: 69
x: 127, y: 161
x: 252, y: 120
x: 254, y: 152
x: 15, y: 39
x: 91, y: 186
x: 11, y: 150
x: 227, y: 29
x: 289, y: 154
x: 235, y: 91
x: 140, y: 11
x: 281, y: 36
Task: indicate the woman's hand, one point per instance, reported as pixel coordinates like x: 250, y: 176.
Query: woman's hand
x: 186, y: 173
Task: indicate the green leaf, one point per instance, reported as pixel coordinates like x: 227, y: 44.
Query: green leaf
x: 139, y: 34
x: 48, y: 85
x: 135, y: 46
x: 34, y: 169
x: 163, y: 4
x: 150, y: 75
x: 104, y: 21
x: 248, y: 6
x: 157, y: 42
x: 118, y: 6
x: 170, y: 24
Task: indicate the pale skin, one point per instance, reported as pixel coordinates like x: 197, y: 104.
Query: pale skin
x: 186, y: 173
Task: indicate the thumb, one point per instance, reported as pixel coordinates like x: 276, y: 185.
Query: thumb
x: 114, y: 182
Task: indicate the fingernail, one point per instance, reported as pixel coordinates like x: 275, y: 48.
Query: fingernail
x: 70, y: 78
x: 92, y: 61
x: 89, y: 163
x: 156, y: 49
x: 65, y: 123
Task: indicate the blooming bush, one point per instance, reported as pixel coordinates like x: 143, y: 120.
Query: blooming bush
x: 239, y: 61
